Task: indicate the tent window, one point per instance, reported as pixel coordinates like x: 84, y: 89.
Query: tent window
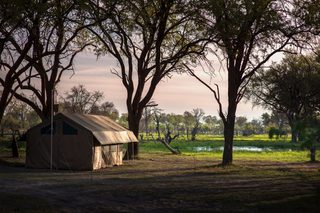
x: 68, y: 129
x: 47, y: 129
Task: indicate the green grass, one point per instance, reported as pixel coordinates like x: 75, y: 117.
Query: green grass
x: 282, y: 150
x: 262, y: 137
x: 5, y: 144
x: 187, y: 146
x: 275, y: 181
x: 284, y: 156
x: 206, y: 137
x: 292, y: 156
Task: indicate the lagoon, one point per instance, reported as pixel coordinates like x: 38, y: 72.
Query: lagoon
x: 236, y: 148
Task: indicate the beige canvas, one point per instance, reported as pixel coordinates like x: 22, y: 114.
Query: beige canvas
x: 93, y: 147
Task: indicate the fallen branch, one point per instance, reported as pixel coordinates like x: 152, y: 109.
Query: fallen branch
x: 174, y: 151
x: 163, y: 141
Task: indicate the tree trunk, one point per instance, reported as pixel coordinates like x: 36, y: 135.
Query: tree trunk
x: 4, y: 100
x: 14, y: 146
x: 187, y: 133
x: 2, y: 109
x: 158, y: 131
x: 133, y: 148
x: 173, y: 151
x: 193, y: 134
x: 293, y: 127
x: 230, y: 119
x: 313, y: 153
x: 228, y: 141
x: 294, y: 135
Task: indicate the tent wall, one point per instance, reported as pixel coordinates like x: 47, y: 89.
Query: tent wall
x: 107, y: 156
x: 80, y: 142
x: 72, y: 152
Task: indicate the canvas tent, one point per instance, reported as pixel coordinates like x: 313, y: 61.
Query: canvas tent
x: 79, y: 142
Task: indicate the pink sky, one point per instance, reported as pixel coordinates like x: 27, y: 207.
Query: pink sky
x: 175, y: 95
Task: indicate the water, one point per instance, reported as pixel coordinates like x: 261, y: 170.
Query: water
x: 236, y: 148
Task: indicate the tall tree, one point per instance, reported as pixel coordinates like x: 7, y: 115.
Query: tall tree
x: 197, y: 115
x: 158, y: 118
x: 150, y: 40
x: 175, y: 121
x: 58, y: 37
x: 15, y: 42
x: 291, y: 87
x: 247, y: 34
x: 210, y: 122
x: 108, y: 109
x: 266, y: 119
x: 240, y: 124
x: 80, y: 100
x: 188, y: 120
x: 18, y: 117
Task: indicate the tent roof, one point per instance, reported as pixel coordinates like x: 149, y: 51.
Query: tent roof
x: 105, y: 130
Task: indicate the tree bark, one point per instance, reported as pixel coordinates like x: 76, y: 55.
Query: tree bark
x: 14, y: 146
x: 229, y: 122
x: 173, y: 151
x: 193, y: 135
x: 187, y: 133
x: 133, y: 148
x: 313, y: 153
x: 294, y: 135
x: 228, y: 140
x: 3, y: 102
x: 294, y: 131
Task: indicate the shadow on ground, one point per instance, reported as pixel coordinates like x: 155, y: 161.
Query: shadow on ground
x: 164, y: 183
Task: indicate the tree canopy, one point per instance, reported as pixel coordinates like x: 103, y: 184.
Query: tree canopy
x: 247, y: 34
x: 149, y: 40
x: 290, y: 87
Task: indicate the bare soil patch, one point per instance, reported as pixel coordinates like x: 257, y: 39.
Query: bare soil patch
x: 163, y: 183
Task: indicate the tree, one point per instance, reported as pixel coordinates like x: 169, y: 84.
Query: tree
x: 188, y: 122
x: 15, y: 43
x: 310, y: 129
x: 197, y: 115
x: 256, y: 126
x: 175, y: 121
x: 57, y: 37
x: 165, y: 119
x: 147, y: 116
x: 158, y: 117
x: 279, y: 120
x: 108, y: 109
x: 18, y: 116
x: 247, y: 34
x: 123, y: 120
x: 291, y: 87
x: 266, y: 121
x: 80, y: 100
x: 240, y: 124
x: 210, y: 122
x: 149, y: 40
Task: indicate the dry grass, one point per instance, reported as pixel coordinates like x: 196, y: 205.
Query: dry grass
x: 159, y: 182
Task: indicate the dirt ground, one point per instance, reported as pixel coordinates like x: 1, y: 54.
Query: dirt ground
x: 164, y: 183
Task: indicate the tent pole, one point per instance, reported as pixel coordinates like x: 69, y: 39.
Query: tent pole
x: 51, y: 133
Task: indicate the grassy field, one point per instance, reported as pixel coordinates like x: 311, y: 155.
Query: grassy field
x: 268, y: 181
x: 212, y: 142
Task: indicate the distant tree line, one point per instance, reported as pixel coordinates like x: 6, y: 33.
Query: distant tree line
x: 20, y: 116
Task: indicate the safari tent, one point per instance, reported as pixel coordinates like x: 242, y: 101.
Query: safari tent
x: 77, y: 142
